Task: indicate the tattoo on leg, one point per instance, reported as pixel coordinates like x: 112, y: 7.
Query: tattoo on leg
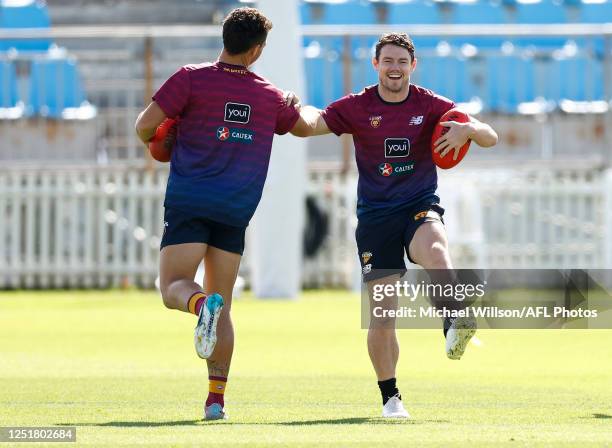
x: 217, y: 368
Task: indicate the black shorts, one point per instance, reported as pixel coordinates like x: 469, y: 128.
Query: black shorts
x: 181, y: 227
x: 382, y: 240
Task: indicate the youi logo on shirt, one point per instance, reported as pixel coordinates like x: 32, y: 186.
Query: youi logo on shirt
x: 397, y: 147
x: 237, y: 113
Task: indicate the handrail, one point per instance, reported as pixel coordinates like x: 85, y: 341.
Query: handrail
x: 157, y: 31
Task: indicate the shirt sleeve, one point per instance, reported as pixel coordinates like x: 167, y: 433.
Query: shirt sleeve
x: 440, y: 105
x: 337, y: 115
x: 286, y: 116
x: 173, y: 96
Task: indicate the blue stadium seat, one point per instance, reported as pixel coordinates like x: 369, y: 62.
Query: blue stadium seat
x: 55, y: 85
x: 596, y: 12
x: 323, y: 60
x: 419, y: 13
x: 544, y: 11
x: 24, y: 14
x: 503, y: 82
x: 578, y: 78
x: 445, y: 75
x: 8, y: 85
x: 478, y: 12
x: 363, y: 75
x: 351, y: 12
x: 306, y: 13
x: 362, y: 72
x: 510, y: 82
x: 10, y: 105
x: 422, y: 13
x: 482, y: 12
x: 573, y: 10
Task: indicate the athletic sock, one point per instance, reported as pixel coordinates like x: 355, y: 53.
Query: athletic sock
x: 446, y: 326
x: 216, y: 389
x: 195, y: 302
x: 388, y: 389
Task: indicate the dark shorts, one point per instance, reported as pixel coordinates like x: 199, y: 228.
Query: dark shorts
x: 382, y: 240
x: 181, y: 227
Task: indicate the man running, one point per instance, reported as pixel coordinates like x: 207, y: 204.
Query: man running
x: 398, y: 211
x: 228, y: 118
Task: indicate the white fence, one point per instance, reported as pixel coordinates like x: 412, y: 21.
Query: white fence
x: 101, y: 227
x: 530, y: 218
x: 82, y: 227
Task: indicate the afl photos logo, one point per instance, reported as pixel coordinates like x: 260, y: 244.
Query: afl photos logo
x: 223, y: 133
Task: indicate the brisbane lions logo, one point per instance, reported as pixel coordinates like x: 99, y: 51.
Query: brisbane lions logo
x: 385, y: 169
x: 223, y: 133
x: 375, y: 121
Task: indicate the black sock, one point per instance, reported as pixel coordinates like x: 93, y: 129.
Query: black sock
x: 388, y: 389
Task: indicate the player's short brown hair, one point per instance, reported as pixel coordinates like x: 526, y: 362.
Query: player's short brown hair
x: 243, y: 28
x: 399, y: 39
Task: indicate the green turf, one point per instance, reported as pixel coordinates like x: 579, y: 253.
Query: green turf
x: 123, y: 369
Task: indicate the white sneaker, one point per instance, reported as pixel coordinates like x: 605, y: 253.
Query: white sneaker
x: 458, y: 335
x: 205, y: 333
x: 394, y: 408
x: 214, y: 412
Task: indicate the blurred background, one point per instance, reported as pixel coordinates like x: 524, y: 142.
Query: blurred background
x: 81, y: 201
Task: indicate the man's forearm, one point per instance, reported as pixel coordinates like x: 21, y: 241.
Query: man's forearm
x: 144, y: 133
x: 311, y: 115
x: 310, y: 123
x: 483, y: 134
x: 314, y: 118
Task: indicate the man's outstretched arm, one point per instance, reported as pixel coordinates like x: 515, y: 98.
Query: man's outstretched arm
x: 310, y: 123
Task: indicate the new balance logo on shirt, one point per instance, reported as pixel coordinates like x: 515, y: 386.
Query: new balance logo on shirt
x: 416, y: 120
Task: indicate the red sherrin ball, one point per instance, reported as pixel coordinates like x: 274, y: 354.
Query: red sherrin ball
x: 447, y: 161
x: 160, y: 149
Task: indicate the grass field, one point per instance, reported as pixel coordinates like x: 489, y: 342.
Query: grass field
x: 122, y: 368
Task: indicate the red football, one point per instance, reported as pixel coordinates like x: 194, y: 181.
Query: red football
x: 447, y: 161
x: 162, y: 142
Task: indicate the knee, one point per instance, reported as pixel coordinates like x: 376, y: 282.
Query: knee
x: 381, y: 323
x: 226, y: 317
x: 167, y: 298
